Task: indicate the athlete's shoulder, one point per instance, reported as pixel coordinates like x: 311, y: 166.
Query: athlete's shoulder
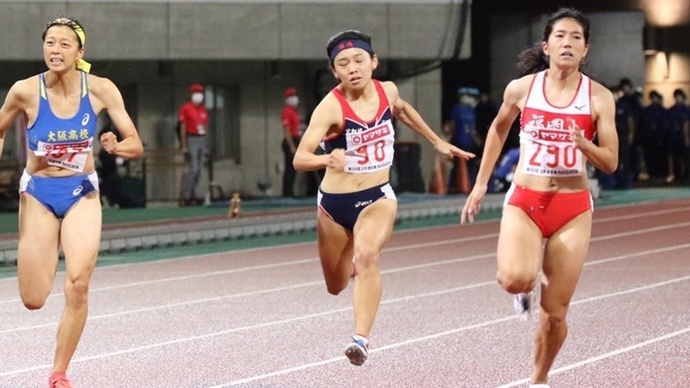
x: 388, y: 86
x: 518, y: 88
x: 96, y: 82
x: 24, y: 90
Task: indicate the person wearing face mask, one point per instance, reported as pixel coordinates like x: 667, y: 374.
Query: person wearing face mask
x: 292, y: 124
x: 193, y: 119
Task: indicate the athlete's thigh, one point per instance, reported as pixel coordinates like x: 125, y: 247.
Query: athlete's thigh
x: 37, y: 251
x: 80, y: 235
x: 335, y: 243
x: 564, y: 256
x: 374, y: 225
x: 520, y: 243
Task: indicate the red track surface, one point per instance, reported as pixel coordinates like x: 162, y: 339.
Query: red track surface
x: 262, y: 317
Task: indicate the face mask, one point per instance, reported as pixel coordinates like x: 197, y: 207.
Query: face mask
x: 292, y: 100
x: 197, y: 98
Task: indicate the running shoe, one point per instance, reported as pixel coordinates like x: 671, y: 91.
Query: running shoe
x: 58, y: 380
x: 524, y: 304
x: 357, y: 351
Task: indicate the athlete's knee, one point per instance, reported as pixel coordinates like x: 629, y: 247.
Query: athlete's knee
x: 516, y: 282
x: 553, y: 322
x: 335, y: 289
x: 366, y: 258
x: 33, y: 301
x: 77, y: 290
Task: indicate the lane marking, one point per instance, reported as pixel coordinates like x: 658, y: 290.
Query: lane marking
x: 455, y: 331
x: 391, y: 249
x: 342, y: 310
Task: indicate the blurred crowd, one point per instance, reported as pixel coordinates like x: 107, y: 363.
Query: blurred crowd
x: 654, y: 141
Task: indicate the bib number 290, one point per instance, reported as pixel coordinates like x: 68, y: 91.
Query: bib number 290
x: 555, y: 156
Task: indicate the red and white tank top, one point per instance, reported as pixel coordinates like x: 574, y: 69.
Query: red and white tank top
x: 544, y: 130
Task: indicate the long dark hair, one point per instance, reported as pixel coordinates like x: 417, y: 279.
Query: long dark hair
x: 533, y: 59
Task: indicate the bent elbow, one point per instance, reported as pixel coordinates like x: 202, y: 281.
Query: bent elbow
x: 610, y: 168
x: 139, y: 151
x: 297, y: 163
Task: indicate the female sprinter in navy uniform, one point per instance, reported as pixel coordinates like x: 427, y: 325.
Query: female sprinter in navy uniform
x: 59, y: 203
x: 356, y: 204
x: 561, y: 111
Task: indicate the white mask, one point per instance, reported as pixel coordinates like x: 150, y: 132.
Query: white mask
x: 292, y: 100
x: 197, y: 98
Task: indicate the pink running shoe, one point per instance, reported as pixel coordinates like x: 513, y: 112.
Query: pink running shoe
x: 58, y: 380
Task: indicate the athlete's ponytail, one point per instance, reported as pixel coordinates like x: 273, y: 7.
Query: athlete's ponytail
x: 532, y: 60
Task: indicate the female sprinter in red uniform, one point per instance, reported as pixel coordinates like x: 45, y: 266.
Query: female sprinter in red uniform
x: 356, y: 204
x: 561, y: 111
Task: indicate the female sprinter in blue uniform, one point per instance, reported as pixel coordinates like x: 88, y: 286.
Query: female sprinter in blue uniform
x: 356, y: 204
x: 561, y: 111
x: 59, y: 202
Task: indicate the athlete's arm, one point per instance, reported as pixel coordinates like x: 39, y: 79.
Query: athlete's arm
x: 500, y: 127
x: 110, y: 99
x: 495, y: 139
x: 603, y: 156
x: 14, y: 105
x: 410, y: 117
x: 327, y: 115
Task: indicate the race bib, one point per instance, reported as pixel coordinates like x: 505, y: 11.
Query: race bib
x: 552, y: 154
x: 370, y: 150
x: 71, y: 156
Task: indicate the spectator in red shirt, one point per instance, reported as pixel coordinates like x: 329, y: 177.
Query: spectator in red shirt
x: 291, y: 124
x: 193, y: 127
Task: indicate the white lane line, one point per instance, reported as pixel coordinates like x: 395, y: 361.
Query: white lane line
x: 455, y: 331
x: 391, y: 249
x: 341, y: 310
x: 251, y: 293
x: 320, y: 282
x: 604, y: 356
x: 252, y: 327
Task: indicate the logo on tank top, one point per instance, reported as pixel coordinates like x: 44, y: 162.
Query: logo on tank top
x: 85, y: 119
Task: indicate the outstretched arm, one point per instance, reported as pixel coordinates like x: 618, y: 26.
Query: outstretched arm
x: 495, y: 139
x: 410, y: 117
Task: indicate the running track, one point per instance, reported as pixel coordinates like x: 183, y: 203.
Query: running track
x: 262, y: 318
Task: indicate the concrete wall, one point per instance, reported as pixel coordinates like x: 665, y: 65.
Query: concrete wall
x: 153, y: 49
x: 233, y: 30
x: 615, y: 46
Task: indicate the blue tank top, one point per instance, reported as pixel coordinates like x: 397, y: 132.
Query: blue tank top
x: 63, y: 142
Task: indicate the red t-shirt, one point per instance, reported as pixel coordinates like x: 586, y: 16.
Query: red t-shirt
x: 195, y: 119
x: 290, y: 117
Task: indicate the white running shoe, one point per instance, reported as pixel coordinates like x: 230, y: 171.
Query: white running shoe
x: 357, y: 351
x: 539, y: 386
x: 524, y: 304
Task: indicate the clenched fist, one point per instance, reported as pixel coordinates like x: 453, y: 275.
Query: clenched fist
x: 109, y: 142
